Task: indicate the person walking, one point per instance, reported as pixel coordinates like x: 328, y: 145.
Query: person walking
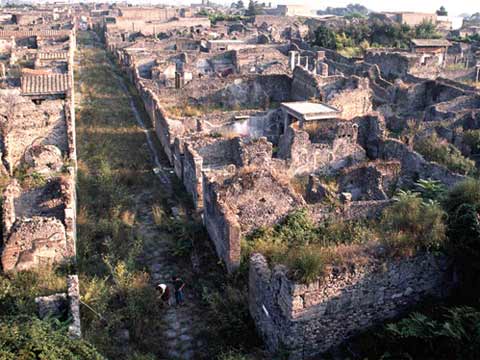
x: 179, y: 285
x: 164, y: 293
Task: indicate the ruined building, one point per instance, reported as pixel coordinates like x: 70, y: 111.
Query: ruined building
x: 242, y: 123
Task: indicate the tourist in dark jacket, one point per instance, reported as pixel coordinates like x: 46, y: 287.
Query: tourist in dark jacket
x: 178, y: 285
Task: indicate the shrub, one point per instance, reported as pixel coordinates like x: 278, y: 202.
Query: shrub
x: 411, y: 224
x: 301, y: 245
x: 25, y: 337
x: 308, y: 263
x: 229, y: 316
x: 18, y: 290
x: 464, y: 234
x: 463, y: 228
x: 431, y: 190
x: 454, y: 335
x: 472, y: 139
x: 440, y: 151
x: 346, y: 232
x: 464, y: 192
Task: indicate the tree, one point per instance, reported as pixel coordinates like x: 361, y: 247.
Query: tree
x: 442, y: 11
x: 426, y: 30
x: 325, y: 37
x: 253, y: 8
x: 238, y: 5
x: 463, y: 228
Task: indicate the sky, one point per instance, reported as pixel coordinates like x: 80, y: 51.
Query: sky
x: 455, y: 7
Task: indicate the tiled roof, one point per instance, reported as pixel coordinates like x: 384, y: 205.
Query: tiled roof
x: 50, y: 84
x: 54, y: 55
x: 41, y: 33
x: 430, y: 42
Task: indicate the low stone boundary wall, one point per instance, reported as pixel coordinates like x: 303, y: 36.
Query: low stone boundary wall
x: 307, y: 320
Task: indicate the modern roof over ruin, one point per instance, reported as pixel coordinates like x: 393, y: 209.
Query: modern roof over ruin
x: 430, y: 42
x: 306, y: 110
x: 45, y: 84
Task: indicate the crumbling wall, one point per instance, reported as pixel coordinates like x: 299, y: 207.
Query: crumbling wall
x: 371, y: 181
x: 28, y: 124
x: 257, y: 91
x: 269, y: 125
x: 212, y: 153
x: 39, y: 224
x: 215, y: 154
x: 414, y: 166
x: 305, y: 85
x: 307, y: 320
x: 352, y: 96
x: 304, y: 156
x: 236, y: 203
x: 222, y: 226
x: 449, y: 110
x: 393, y: 65
x: 414, y: 98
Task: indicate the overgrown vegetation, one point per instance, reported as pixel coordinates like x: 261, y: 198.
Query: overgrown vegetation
x: 374, y: 31
x: 304, y: 247
x: 435, y: 149
x: 114, y: 284
x: 25, y: 337
x: 414, y: 222
x: 431, y: 332
x: 472, y: 139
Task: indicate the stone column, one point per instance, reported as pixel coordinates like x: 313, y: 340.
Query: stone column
x: 323, y: 69
x: 293, y: 54
x: 320, y: 55
x: 3, y: 72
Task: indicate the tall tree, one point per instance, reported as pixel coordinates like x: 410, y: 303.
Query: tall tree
x: 252, y: 9
x: 325, y: 37
x: 442, y: 11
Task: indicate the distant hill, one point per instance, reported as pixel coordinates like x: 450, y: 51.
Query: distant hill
x: 351, y: 9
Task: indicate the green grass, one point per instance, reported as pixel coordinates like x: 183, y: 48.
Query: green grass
x: 113, y: 169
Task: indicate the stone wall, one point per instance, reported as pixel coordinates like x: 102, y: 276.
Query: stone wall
x: 240, y: 201
x: 392, y: 65
x: 269, y: 125
x: 307, y: 320
x: 352, y: 96
x: 414, y: 166
x: 257, y: 91
x: 305, y: 86
x: 222, y: 226
x: 28, y: 124
x: 212, y: 153
x: 305, y: 156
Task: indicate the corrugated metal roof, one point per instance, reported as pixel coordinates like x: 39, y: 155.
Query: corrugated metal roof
x: 50, y: 84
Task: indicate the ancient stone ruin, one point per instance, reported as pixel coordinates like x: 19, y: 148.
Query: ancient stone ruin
x: 38, y: 153
x: 243, y: 120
